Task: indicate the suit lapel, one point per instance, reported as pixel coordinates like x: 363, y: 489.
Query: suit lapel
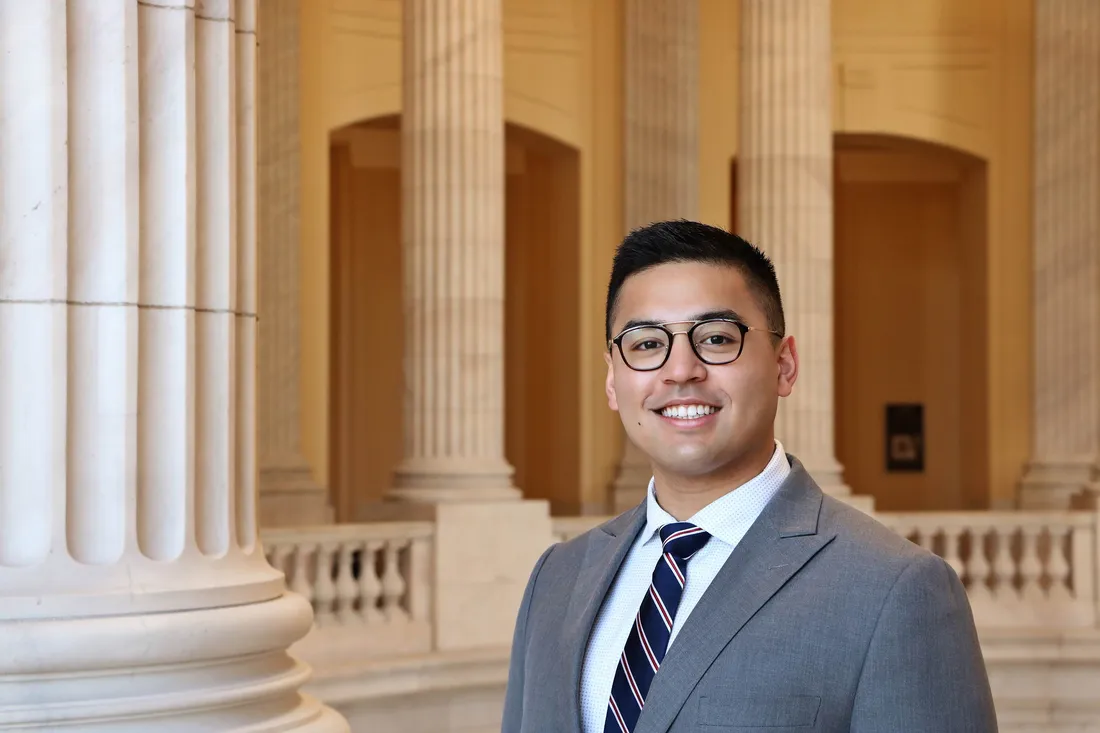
x: 607, y: 547
x: 781, y: 541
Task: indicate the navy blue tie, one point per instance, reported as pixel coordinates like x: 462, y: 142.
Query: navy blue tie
x: 648, y: 640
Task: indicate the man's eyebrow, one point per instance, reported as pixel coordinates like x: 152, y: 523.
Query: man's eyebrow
x: 726, y: 313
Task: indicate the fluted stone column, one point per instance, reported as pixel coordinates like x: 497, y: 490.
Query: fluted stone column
x: 453, y: 239
x: 288, y: 493
x: 1066, y: 322
x: 454, y: 471
x: 128, y: 547
x: 785, y: 203
x: 661, y: 148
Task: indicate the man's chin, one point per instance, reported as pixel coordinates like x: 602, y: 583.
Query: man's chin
x: 687, y: 464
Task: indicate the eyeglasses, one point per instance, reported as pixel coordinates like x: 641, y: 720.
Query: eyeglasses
x: 716, y: 341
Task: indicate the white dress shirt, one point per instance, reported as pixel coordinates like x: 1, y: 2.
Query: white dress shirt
x: 727, y: 519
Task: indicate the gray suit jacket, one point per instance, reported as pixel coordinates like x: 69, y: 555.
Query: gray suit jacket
x: 821, y: 620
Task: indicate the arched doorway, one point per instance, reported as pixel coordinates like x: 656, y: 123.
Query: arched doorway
x: 910, y: 319
x: 542, y: 364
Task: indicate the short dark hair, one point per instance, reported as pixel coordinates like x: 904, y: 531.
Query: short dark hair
x: 689, y: 241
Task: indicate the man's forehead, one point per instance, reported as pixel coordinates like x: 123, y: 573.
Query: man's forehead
x: 683, y: 292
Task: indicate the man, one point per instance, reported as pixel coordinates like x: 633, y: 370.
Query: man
x: 737, y: 596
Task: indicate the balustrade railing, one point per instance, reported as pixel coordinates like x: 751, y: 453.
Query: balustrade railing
x: 1019, y: 568
x: 369, y: 584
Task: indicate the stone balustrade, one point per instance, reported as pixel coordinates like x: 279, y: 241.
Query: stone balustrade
x: 369, y: 585
x: 1020, y: 569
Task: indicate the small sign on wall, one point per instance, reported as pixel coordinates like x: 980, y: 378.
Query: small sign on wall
x: 905, y: 438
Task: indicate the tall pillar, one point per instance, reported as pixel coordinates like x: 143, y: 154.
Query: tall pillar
x: 288, y: 493
x: 454, y: 471
x: 452, y: 129
x: 661, y: 149
x: 785, y: 203
x: 1066, y: 321
x: 129, y: 556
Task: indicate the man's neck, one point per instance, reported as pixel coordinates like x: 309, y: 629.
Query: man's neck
x: 684, y: 496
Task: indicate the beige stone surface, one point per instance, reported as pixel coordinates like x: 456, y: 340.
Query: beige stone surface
x: 1066, y: 275
x: 484, y: 554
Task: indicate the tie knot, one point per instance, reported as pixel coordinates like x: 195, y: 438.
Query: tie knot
x: 683, y: 539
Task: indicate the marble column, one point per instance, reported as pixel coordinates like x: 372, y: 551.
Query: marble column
x: 128, y: 548
x: 454, y: 471
x: 288, y: 493
x: 661, y: 149
x: 1066, y: 320
x: 785, y: 203
x: 453, y: 243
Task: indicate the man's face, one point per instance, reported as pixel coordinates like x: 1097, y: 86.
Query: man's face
x: 741, y: 397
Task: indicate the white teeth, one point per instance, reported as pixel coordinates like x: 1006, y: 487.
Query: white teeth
x: 687, y: 412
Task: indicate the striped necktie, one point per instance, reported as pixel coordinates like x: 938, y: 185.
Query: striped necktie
x: 648, y: 640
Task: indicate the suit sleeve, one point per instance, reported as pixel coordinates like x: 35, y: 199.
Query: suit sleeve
x: 512, y: 721
x: 924, y: 671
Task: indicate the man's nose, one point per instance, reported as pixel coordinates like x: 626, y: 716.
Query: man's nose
x: 683, y: 365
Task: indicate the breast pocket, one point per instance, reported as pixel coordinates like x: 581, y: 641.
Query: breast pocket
x: 758, y: 712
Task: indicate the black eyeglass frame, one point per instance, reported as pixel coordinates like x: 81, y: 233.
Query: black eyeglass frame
x: 690, y: 333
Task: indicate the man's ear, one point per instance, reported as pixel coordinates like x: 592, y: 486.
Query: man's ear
x: 609, y: 382
x: 787, y: 363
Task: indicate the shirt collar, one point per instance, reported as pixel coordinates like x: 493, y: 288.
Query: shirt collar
x: 729, y: 517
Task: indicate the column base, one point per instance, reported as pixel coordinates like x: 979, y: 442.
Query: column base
x: 829, y: 476
x: 1055, y: 484
x: 448, y: 480
x: 222, y: 669
x: 289, y: 497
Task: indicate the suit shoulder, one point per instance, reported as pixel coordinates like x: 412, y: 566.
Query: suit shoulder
x: 868, y: 543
